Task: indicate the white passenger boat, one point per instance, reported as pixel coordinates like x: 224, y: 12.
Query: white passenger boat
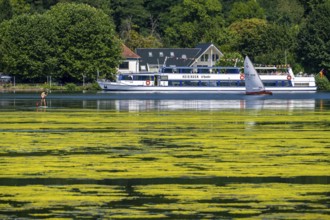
x: 208, y: 79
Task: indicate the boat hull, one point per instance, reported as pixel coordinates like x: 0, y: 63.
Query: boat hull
x: 113, y: 86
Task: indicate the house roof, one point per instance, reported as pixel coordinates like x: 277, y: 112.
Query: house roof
x: 158, y: 56
x: 128, y: 53
x: 172, y: 56
x: 204, y: 47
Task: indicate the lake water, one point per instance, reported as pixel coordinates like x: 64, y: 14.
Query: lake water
x: 164, y: 156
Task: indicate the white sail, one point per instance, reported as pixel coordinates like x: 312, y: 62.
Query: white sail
x: 253, y: 83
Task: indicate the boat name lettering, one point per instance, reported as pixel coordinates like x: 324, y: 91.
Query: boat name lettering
x: 190, y: 76
x: 196, y: 76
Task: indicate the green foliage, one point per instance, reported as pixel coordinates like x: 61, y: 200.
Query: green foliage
x: 86, y: 42
x: 6, y: 10
x: 26, y: 46
x: 21, y: 7
x: 314, y: 38
x: 92, y: 87
x: 231, y: 59
x: 265, y: 43
x: 245, y: 10
x: 128, y: 9
x: 277, y: 45
x: 280, y: 11
x: 248, y: 35
x: 69, y: 42
x: 322, y: 83
x: 193, y: 21
x: 135, y: 40
x: 71, y: 87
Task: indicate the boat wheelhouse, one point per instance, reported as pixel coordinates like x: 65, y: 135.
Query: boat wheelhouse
x: 195, y: 79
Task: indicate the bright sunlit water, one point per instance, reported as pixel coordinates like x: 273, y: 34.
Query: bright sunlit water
x: 164, y: 156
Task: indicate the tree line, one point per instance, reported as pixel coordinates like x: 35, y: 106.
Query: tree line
x: 72, y: 40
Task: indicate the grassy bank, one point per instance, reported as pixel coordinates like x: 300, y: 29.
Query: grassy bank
x: 70, y: 87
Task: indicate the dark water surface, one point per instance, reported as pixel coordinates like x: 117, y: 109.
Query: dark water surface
x: 166, y: 101
x: 164, y: 156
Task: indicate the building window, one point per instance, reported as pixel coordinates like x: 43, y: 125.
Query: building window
x: 123, y: 66
x: 161, y: 54
x: 143, y: 68
x: 184, y: 56
x: 150, y: 54
x: 172, y: 54
x: 204, y: 57
x: 215, y: 57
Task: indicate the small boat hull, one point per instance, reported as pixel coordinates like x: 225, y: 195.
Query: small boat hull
x: 260, y: 93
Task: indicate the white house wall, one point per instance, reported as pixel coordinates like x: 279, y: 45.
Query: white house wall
x: 133, y: 66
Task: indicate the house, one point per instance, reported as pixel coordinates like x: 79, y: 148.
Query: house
x: 130, y: 62
x: 203, y: 55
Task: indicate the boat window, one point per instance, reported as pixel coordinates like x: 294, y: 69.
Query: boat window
x: 190, y: 83
x: 203, y: 71
x: 125, y: 77
x: 301, y: 84
x: 232, y: 70
x: 174, y: 83
x: 167, y: 70
x: 143, y: 77
x: 204, y: 83
x: 165, y: 78
x: 228, y: 83
x: 213, y: 83
x: 271, y: 83
x: 186, y: 70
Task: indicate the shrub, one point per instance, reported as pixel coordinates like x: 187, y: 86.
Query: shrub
x: 322, y: 83
x: 71, y: 87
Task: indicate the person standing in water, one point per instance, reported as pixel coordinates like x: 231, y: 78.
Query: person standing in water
x: 43, y: 99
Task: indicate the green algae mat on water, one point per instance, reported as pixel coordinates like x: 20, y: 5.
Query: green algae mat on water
x: 62, y: 164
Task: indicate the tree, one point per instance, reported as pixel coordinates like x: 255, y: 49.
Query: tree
x: 311, y: 5
x: 314, y: 39
x: 193, y: 21
x: 245, y: 10
x: 277, y: 45
x: 86, y: 42
x: 159, y: 12
x: 20, y: 7
x: 133, y: 10
x: 26, y: 47
x: 280, y: 11
x: 6, y: 10
x: 70, y: 43
x: 248, y: 34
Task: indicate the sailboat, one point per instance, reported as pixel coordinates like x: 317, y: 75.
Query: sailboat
x: 253, y: 83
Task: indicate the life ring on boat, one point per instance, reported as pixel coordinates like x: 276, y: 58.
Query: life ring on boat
x: 241, y: 77
x: 148, y: 82
x: 288, y: 77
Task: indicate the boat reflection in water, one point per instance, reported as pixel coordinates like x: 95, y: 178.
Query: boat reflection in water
x: 143, y: 105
